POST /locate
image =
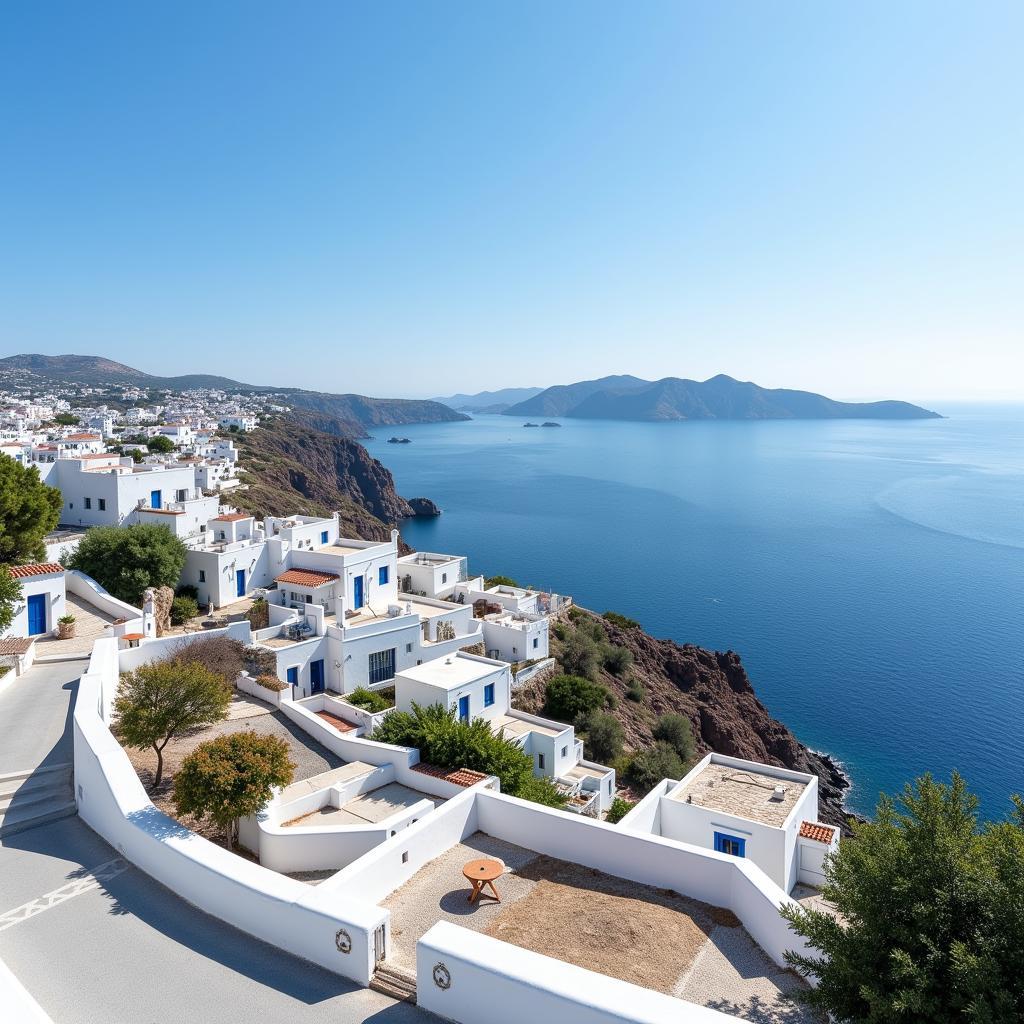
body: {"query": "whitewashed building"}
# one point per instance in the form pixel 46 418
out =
pixel 43 598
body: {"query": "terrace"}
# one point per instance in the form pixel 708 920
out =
pixel 365 809
pixel 743 792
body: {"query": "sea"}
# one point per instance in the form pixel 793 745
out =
pixel 870 573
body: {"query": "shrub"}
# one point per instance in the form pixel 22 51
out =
pixel 271 683
pixel 369 700
pixel 603 736
pixel 617 659
pixel 566 697
pixel 618 810
pixel 225 656
pixel 183 609
pixel 232 776
pixel 187 590
pixel 636 691
pixel 161 700
pixel 259 614
pixel 444 740
pixel 676 731
pixel 650 766
pixel 161 444
pixel 499 581
pixel 580 656
pixel 621 620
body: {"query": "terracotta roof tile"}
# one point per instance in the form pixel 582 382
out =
pixel 232 517
pixel 459 776
pixel 307 577
pixel 818 832
pixel 20 572
pixel 16 644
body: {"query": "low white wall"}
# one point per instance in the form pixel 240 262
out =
pixel 247 684
pixel 302 920
pixel 154 650
pixel 715 878
pixel 360 717
pixel 524 675
pixel 646 815
pixel 85 587
pixel 17 1004
pixel 493 982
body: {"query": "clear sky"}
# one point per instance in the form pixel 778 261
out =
pixel 421 198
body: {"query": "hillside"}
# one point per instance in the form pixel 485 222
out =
pixel 288 468
pixel 720 397
pixel 712 689
pixel 489 401
pixel 374 412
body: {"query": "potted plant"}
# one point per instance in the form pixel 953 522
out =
pixel 66 627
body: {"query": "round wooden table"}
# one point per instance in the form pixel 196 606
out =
pixel 483 872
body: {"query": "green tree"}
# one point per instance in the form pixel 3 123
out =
pixel 580 655
pixel 161 444
pixel 618 810
pixel 566 697
pixel 67 419
pixel 183 609
pixel 677 732
pixel 499 581
pixel 657 762
pixel 128 559
pixel 10 596
pixel 232 776
pixel 163 699
pixel 930 923
pixel 603 736
pixel 29 510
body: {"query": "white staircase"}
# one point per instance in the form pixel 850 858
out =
pixel 35 797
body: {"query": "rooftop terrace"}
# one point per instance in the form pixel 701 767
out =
pixel 742 792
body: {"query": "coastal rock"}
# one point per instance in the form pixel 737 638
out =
pixel 423 507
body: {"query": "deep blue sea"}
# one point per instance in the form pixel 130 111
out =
pixel 871 574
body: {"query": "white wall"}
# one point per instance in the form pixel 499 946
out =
pixel 410 690
pixel 494 982
pixel 85 587
pixel 53 589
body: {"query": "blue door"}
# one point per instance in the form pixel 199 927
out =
pixel 36 614
pixel 293 677
pixel 316 676
pixel 464 709
pixel 357 592
pixel 154 499
pixel 240 582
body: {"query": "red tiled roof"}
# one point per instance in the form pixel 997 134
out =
pixel 460 776
pixel 307 577
pixel 16 644
pixel 20 572
pixel 82 437
pixel 818 832
pixel 232 517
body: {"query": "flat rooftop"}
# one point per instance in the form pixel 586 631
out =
pixel 517 727
pixel 742 792
pixel 448 674
pixel 368 808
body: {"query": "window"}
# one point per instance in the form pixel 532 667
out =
pixel 732 845
pixel 408 648
pixel 323 537
pixel 182 495
pixel 382 666
pixel 565 751
pixel 444 578
pixel 540 761
pixel 202 575
pixel 88 502
pixel 536 642
pixel 382 575
pixel 488 695
pixel 103 504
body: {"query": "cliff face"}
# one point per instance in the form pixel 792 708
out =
pixel 713 690
pixel 290 468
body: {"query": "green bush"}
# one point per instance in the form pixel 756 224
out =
pixel 187 590
pixel 259 613
pixel 676 731
pixel 161 444
pixel 617 659
pixel 603 736
pixel 445 741
pixel 580 655
pixel 368 700
pixel 621 620
pixel 636 691
pixel 183 609
pixel 650 766
pixel 566 697
pixel 618 810
pixel 499 581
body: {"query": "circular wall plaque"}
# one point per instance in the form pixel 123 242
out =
pixel 343 941
pixel 442 976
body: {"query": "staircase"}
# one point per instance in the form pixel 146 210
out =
pixel 394 982
pixel 35 797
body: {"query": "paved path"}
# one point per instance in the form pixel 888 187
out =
pixel 94 939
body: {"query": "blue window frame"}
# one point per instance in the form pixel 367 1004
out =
pixel 323 537
pixel 382 575
pixel 464 709
pixel 382 666
pixel 733 845
pixel 488 695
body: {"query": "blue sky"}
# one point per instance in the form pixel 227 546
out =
pixel 421 198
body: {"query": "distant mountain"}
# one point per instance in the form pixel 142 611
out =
pixel 343 415
pixel 721 397
pixel 489 401
pixel 561 399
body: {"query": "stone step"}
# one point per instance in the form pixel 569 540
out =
pixel 394 982
pixel 42 795
pixel 34 773
pixel 53 781
pixel 18 819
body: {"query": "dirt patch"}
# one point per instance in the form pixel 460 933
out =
pixel 610 925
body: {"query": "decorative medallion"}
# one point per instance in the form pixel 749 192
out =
pixel 442 976
pixel 343 941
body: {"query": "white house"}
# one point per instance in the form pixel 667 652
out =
pixel 432 574
pixel 42 598
pixel 745 809
pixel 515 636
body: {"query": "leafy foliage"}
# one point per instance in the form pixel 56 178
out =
pixel 618 810
pixel 499 581
pixel 232 776
pixel 677 732
pixel 183 609
pixel 259 613
pixel 29 510
pixel 67 419
pixel 10 596
pixel 621 620
pixel 161 444
pixel 161 700
pixel 566 697
pixel 650 766
pixel 603 736
pixel 617 659
pixel 932 914
pixel 636 691
pixel 369 700
pixel 128 559
pixel 444 740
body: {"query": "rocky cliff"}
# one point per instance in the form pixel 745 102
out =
pixel 713 690
pixel 289 468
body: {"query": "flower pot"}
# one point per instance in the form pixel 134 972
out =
pixel 65 630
